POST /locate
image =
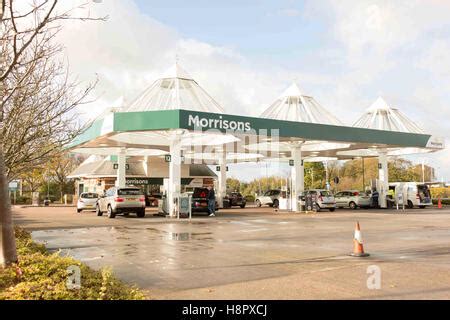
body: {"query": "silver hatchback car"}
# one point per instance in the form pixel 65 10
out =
pixel 270 198
pixel 122 201
pixel 87 201
pixel 324 199
pixel 352 199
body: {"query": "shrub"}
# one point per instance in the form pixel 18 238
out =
pixel 444 201
pixel 250 198
pixel 443 192
pixel 21 199
pixel 41 275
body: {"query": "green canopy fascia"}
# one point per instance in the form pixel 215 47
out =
pixel 185 119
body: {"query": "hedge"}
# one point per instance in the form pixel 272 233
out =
pixel 40 275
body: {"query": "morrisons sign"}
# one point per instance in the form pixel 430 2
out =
pixel 218 123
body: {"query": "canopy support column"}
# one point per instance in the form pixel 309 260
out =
pixel 121 168
pixel 174 174
pixel 297 177
pixel 222 190
pixel 383 178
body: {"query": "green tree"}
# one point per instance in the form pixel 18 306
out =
pixel 233 184
pixel 314 175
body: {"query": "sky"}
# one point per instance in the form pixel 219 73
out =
pixel 245 53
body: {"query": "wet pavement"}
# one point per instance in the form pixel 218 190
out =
pixel 258 253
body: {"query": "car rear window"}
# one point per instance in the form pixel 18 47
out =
pixel 325 193
pixel 129 192
pixel 423 189
pixel 200 193
pixel 89 195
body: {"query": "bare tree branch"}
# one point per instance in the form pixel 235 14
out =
pixel 38 99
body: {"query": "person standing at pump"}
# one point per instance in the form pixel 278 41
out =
pixel 375 196
pixel 211 201
pixel 391 198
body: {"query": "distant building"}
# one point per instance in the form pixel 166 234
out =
pixel 97 174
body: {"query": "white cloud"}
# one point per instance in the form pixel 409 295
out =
pixel 436 59
pixel 130 50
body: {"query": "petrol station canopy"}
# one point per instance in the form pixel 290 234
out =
pixel 176 103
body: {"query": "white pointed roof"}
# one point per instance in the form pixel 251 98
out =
pixel 382 116
pixel 176 89
pixel 293 105
pixel 176 71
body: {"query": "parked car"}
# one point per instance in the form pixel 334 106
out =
pixel 121 201
pixel 352 199
pixel 236 199
pixel 324 199
pixel 87 201
pixel 417 194
pixel 270 198
pixel 200 200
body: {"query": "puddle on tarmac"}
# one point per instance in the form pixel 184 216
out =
pixel 88 237
pixel 182 236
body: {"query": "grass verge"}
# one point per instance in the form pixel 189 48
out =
pixel 40 275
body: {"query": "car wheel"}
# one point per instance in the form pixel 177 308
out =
pixel 111 213
pixel 98 211
pixel 242 206
pixel 258 203
pixel 317 207
pixel 422 207
pixel 332 209
pixel 410 204
pixel 352 205
pixel 141 213
pixel 79 210
pixel 275 203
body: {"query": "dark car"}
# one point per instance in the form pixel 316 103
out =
pixel 236 199
pixel 200 200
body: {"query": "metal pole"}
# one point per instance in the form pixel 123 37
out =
pixel 190 207
pixel 423 172
pixel 48 186
pixel 363 172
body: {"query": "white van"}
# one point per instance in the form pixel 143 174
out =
pixel 417 194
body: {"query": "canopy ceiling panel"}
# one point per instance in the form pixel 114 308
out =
pixel 162 138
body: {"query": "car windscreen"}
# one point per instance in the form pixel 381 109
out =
pixel 200 193
pixel 89 195
pixel 325 193
pixel 129 192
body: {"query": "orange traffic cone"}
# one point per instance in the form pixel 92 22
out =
pixel 439 203
pixel 358 249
